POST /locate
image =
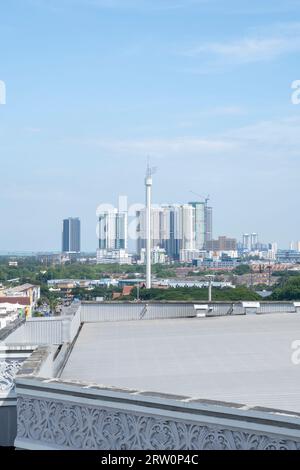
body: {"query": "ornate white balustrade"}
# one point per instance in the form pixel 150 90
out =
pixel 11 360
pixel 57 415
pixel 8 371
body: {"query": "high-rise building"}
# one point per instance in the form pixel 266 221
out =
pixel 113 237
pixel 246 242
pixel 222 244
pixel 172 243
pixel 172 228
pixel 187 227
pixel 199 224
pixel 250 242
pixel 112 230
pixel 254 241
pixel 156 230
pixel 176 227
pixel 203 223
pixel 71 235
pixel 208 223
pixel 273 247
pixel 271 253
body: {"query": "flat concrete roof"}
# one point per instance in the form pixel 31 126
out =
pixel 240 359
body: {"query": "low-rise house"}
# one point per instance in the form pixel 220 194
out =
pixel 25 294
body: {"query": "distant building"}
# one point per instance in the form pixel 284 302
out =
pixel 222 244
pixel 273 247
pixel 187 256
pixel 250 242
pixel 112 230
pixel 9 312
pixel 176 227
pixel 158 255
pixel 254 241
pixel 113 257
pixel 68 284
pixel 49 258
pixel 158 227
pixel 199 224
pixel 172 242
pixel 271 253
pixel 26 295
pixel 71 235
pixel 113 237
pixel 127 290
pixel 208 223
pixel 246 242
pixel 188 234
pixel 226 264
pixel 288 256
pixel 202 223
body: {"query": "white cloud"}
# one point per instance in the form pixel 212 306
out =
pixel 260 46
pixel 246 50
pixel 195 119
pixel 33 130
pixel 275 141
pixel 226 111
pixel 278 139
pixel 162 147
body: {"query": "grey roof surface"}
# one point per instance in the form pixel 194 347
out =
pixel 21 288
pixel 241 359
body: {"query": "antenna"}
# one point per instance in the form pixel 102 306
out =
pixel 150 170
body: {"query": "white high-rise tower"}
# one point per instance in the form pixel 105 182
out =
pixel 148 184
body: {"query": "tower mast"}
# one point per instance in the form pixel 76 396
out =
pixel 148 185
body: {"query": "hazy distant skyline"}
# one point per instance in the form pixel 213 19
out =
pixel 94 86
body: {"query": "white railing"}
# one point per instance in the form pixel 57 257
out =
pixel 58 415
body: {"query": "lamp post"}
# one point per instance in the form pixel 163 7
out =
pixel 210 278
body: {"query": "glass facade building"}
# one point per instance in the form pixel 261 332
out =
pixel 71 235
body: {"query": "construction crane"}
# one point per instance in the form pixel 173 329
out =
pixel 206 199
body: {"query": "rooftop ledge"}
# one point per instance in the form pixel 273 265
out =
pixel 59 409
pixel 30 380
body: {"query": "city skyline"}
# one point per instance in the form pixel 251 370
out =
pixel 211 104
pixel 133 239
pixel 175 228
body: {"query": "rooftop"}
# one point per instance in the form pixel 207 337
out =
pixel 21 288
pixel 242 359
pixel 167 375
pixel 15 300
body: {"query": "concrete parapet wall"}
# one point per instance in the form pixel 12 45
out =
pixel 53 414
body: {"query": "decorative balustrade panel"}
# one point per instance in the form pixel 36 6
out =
pixel 61 424
pixel 8 371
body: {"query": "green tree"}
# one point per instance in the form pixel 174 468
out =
pixel 288 289
pixel 242 269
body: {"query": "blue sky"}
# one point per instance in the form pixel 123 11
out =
pixel 202 86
